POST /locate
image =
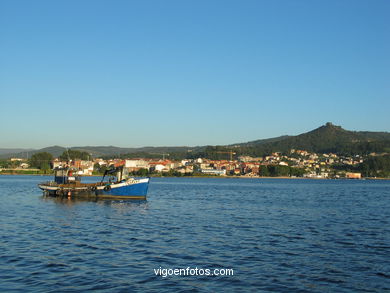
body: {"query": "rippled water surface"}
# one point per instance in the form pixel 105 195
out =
pixel 277 235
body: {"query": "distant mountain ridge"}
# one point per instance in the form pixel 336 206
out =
pixel 14 150
pixel 324 139
pixel 96 151
pixel 328 138
pixel 112 150
pixel 262 141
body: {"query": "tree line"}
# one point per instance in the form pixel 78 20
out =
pixel 373 166
pixel 43 160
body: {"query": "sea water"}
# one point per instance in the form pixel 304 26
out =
pixel 251 235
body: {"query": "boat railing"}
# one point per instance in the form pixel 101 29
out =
pixel 50 183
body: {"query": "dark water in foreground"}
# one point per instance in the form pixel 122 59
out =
pixel 277 235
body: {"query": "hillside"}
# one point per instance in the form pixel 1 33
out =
pixel 331 138
pixel 96 151
pixel 14 151
pixel 261 141
pixel 328 138
pixel 54 150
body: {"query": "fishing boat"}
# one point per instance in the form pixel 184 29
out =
pixel 119 185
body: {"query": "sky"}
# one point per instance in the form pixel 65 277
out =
pixel 189 72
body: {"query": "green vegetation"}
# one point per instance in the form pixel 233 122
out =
pixel 280 171
pixel 136 156
pixel 25 172
pixel 213 153
pixel 9 164
pixel 75 155
pixel 378 166
pixel 325 139
pixel 373 166
pixel 41 161
pixel 145 155
pixel 99 169
pixel 141 172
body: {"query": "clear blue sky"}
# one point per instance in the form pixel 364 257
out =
pixel 138 73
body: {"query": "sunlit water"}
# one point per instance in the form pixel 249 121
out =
pixel 277 235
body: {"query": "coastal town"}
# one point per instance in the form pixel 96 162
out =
pixel 297 163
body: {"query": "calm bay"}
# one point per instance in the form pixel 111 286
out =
pixel 276 235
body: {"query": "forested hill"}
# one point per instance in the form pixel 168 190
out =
pixel 328 138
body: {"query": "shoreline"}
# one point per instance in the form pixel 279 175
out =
pixel 221 177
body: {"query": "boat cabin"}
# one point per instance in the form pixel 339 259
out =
pixel 65 175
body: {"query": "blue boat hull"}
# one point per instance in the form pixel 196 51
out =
pixel 126 189
pixel 138 190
